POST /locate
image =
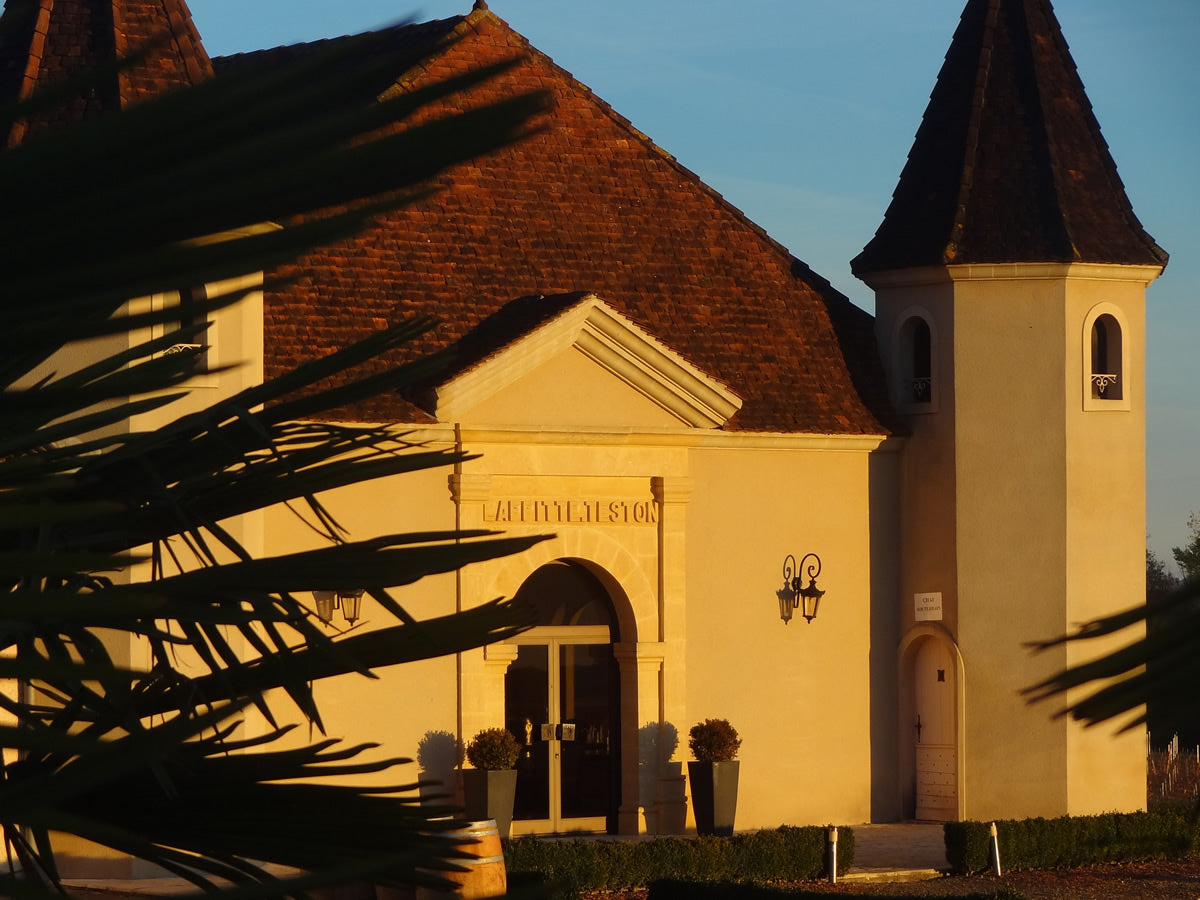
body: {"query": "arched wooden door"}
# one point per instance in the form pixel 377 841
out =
pixel 935 732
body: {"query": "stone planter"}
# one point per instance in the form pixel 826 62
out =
pixel 489 794
pixel 714 795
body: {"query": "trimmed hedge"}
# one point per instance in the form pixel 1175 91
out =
pixel 571 866
pixel 690 890
pixel 1070 840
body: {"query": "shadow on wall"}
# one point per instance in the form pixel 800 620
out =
pixel 662 791
pixel 439 754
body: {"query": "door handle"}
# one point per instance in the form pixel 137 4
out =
pixel 562 731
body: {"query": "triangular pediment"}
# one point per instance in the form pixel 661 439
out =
pixel 588 352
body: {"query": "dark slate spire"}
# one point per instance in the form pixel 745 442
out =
pixel 1008 164
pixel 43 42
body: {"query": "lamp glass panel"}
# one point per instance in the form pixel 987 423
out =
pixel 325 604
pixel 787 604
pixel 810 605
pixel 350 605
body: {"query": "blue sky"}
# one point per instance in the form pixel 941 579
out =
pixel 801 113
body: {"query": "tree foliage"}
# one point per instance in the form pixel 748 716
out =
pixel 1187 557
pixel 148 760
pixel 1159 580
pixel 1161 719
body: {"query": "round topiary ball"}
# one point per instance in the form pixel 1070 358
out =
pixel 493 748
pixel 713 740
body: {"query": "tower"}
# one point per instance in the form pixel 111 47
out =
pixel 1010 275
pixel 43 44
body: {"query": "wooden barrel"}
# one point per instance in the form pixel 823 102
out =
pixel 483 872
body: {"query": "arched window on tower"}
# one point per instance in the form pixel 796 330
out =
pixel 921 382
pixel 915 355
pixel 1106 367
pixel 1106 358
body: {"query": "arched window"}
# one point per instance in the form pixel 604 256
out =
pixel 1105 359
pixel 921 348
pixel 915 355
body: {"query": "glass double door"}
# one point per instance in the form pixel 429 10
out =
pixel 559 702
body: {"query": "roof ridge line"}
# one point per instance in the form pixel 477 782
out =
pixel 421 67
pixel 179 34
pixel 38 41
pixel 33 66
pixel 1093 125
pixel 983 74
pixel 1057 181
pixel 179 16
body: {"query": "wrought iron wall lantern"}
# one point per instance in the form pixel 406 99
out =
pixel 795 595
pixel 349 601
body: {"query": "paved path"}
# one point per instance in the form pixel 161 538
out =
pixel 899 851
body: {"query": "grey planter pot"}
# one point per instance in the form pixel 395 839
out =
pixel 714 795
pixel 489 794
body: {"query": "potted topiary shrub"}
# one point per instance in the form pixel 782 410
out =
pixel 714 775
pixel 490 788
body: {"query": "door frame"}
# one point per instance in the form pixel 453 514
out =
pixel 555 637
pixel 909 647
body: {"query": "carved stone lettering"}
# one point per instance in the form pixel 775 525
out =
pixel 561 511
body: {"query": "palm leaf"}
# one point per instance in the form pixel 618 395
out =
pixel 1159 666
pixel 146 761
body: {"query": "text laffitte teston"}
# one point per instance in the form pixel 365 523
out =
pixel 551 511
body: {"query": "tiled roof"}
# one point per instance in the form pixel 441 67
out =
pixel 588 204
pixel 401 42
pixel 1008 164
pixel 44 42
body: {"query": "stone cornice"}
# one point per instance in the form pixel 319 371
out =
pixel 924 275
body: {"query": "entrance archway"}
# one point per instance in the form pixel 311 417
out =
pixel 562 701
pixel 931 725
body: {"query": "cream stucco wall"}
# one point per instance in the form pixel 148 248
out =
pixel 694 589
pixel 799 694
pixel 404 704
pixel 1106 523
pixel 1026 512
pixel 1010 470
pixel 925 492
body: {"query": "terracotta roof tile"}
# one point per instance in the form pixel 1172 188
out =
pixel 44 42
pixel 1009 164
pixel 589 204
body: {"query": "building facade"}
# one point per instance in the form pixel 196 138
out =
pixel 642 373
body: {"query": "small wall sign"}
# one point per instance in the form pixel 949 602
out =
pixel 928 607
